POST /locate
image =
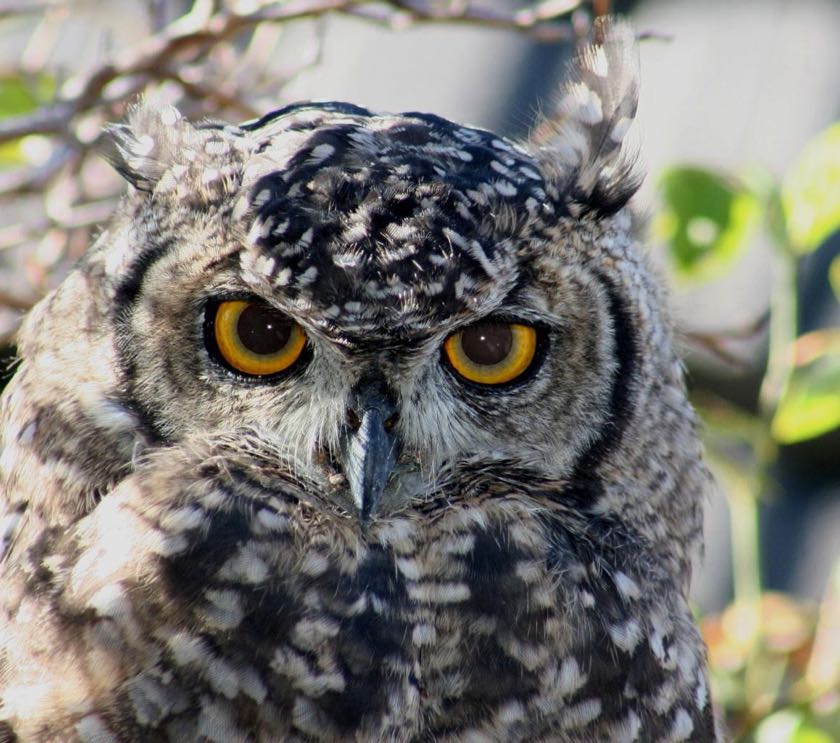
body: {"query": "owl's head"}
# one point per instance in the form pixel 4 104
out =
pixel 394 303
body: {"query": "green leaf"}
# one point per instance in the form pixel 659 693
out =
pixel 11 154
pixel 707 218
pixel 791 726
pixel 810 406
pixel 834 276
pixel 811 192
pixel 20 95
pixel 808 734
pixel 780 726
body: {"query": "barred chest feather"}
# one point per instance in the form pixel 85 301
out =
pixel 236 608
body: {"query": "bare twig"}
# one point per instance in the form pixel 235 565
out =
pixel 9 8
pixel 539 21
pixel 715 343
pixel 182 52
pixel 186 40
pixel 29 180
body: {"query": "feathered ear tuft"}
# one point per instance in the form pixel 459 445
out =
pixel 583 142
pixel 146 144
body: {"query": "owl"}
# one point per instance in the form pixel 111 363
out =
pixel 357 427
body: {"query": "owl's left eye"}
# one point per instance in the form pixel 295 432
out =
pixel 256 339
pixel 492 353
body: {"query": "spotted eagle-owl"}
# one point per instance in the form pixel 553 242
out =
pixel 356 426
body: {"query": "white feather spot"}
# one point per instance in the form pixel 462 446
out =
pixel 272 521
pixel 222 677
pixel 110 601
pixel 305 240
pixel 320 153
pixel 216 147
pixel 144 145
pixel 399 534
pixel 408 567
pixel 628 729
pixel 264 265
pixel 8 526
pixel 439 593
pixel 182 519
pixel 506 188
pixel 596 61
pixel 626 636
pixel 571 677
pixel 245 566
pixel 701 693
pixel 583 103
pixel 314 564
pixel 308 276
pixel 682 727
pixel 354 308
pixel 582 713
pixel 261 198
pixel 188 650
pixel 210 175
pixel 224 608
pixel 473 248
pixel 627 587
pixel 169 116
pixel 92 729
pixel 252 685
pixel 216 724
pixel 620 128
pixel 311 634
pixel 423 634
pixel 510 713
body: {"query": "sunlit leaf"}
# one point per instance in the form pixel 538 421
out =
pixel 811 192
pixel 789 726
pixel 834 276
pixel 20 95
pixel 808 734
pixel 705 220
pixel 780 726
pixel 11 154
pixel 810 405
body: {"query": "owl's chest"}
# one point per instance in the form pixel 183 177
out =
pixel 420 631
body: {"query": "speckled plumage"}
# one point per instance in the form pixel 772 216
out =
pixel 182 558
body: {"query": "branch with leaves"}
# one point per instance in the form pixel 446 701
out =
pixel 775 672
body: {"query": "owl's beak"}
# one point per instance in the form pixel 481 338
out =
pixel 371 449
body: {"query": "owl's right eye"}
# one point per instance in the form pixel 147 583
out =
pixel 492 353
pixel 254 338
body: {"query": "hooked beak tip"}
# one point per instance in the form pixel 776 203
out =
pixel 369 459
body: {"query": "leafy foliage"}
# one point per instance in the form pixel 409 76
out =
pixel 706 218
pixel 775 664
pixel 19 95
pixel 811 193
pixel 810 406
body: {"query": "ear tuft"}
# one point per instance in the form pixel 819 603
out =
pixel 583 143
pixel 146 144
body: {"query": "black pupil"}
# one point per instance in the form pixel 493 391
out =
pixel 487 343
pixel 263 330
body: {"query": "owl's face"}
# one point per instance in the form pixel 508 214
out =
pixel 386 299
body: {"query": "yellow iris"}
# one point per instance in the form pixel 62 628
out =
pixel 492 352
pixel 255 338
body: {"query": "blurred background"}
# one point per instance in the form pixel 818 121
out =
pixel 742 201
